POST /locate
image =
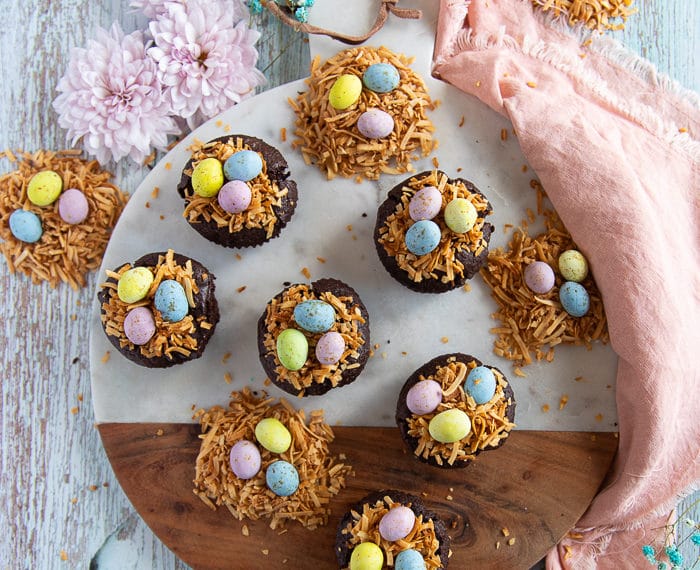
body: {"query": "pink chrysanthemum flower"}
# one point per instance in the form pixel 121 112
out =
pixel 110 97
pixel 154 8
pixel 205 62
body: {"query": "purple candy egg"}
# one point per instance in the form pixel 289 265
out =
pixel 425 204
pixel 139 325
pixel 539 277
pixel 245 459
pixel 330 348
pixel 397 523
pixel 424 397
pixel 234 196
pixel 73 206
pixel 375 124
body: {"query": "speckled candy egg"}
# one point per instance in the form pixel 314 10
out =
pixel 44 188
pixel 330 348
pixel 273 435
pixel 235 196
pixel 450 426
pixel 292 349
pixel 25 226
pixel 314 315
pixel 139 325
pixel 574 298
pixel 282 478
pixel 460 215
pixel 480 384
pixel 170 299
pixel 425 204
pixel 243 165
pixel 375 124
pixel 381 77
pixel 424 397
pixel 73 206
pixel 409 560
pixel 573 265
pixel 245 459
pixel 397 523
pixel 367 556
pixel 345 92
pixel 539 277
pixel 134 284
pixel 423 237
pixel 208 177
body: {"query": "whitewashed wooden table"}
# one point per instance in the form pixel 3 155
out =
pixel 62 507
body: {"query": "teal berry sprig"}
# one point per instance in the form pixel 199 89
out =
pixel 673 540
pixel 300 8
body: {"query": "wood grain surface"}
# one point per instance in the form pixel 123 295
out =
pixel 62 506
pixel 537 485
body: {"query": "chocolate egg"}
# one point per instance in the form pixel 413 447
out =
pixel 345 92
pixel 292 349
pixel 170 299
pixel 234 197
pixel 397 523
pixel 208 177
pixel 425 204
pixel 574 298
pixel 367 556
pixel 44 188
pixel 409 560
pixel 375 124
pixel 330 348
pixel 423 237
pixel 73 206
pixel 273 435
pixel 245 459
pixel 460 215
pixel 480 384
pixel 139 325
pixel 134 284
pixel 282 478
pixel 243 165
pixel 25 226
pixel 539 277
pixel 573 265
pixel 314 315
pixel 381 77
pixel 424 397
pixel 450 426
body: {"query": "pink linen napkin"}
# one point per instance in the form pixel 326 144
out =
pixel 616 148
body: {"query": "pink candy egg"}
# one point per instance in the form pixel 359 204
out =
pixel 234 196
pixel 73 206
pixel 139 325
pixel 397 523
pixel 424 397
pixel 245 459
pixel 375 124
pixel 330 348
pixel 539 277
pixel 425 204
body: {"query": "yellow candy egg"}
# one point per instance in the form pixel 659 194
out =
pixel 134 284
pixel 450 426
pixel 367 556
pixel 460 215
pixel 573 265
pixel 273 435
pixel 345 91
pixel 208 177
pixel 44 188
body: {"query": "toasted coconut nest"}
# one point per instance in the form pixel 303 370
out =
pixel 65 252
pixel 533 324
pixel 321 475
pixel 330 139
pixel 490 421
pixel 594 14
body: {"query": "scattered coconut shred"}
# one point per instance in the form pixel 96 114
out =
pixel 321 475
pixel 594 14
pixel 534 324
pixel 64 252
pixel 330 139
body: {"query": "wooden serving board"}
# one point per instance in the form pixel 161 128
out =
pixel 537 486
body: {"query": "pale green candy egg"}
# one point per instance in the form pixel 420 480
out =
pixel 460 215
pixel 44 188
pixel 573 265
pixel 273 435
pixel 367 556
pixel 134 284
pixel 345 91
pixel 208 177
pixel 450 426
pixel 292 349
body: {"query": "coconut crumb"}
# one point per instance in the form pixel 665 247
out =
pixel 105 357
pixel 563 401
pixel 305 272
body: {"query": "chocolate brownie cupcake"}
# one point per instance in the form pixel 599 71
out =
pixel 452 408
pixel 392 525
pixel 160 310
pixel 237 190
pixel 431 233
pixel 313 338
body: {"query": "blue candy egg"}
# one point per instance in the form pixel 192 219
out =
pixel 409 560
pixel 25 226
pixel 171 301
pixel 423 237
pixel 243 165
pixel 480 384
pixel 381 77
pixel 314 316
pixel 574 298
pixel 282 478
